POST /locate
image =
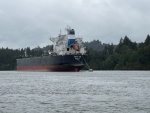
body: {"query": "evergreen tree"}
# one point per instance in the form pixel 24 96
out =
pixel 147 41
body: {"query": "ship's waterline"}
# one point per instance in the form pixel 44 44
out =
pixel 51 63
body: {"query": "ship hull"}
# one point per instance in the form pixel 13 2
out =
pixel 51 63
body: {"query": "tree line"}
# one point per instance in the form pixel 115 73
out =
pixel 127 55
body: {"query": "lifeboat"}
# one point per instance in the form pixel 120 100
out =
pixel 75 46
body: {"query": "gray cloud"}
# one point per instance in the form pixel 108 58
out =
pixel 30 22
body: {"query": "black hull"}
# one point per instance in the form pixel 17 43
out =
pixel 51 63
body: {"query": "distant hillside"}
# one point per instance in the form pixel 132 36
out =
pixel 47 48
pixel 95 45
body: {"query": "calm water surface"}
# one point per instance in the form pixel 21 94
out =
pixel 75 92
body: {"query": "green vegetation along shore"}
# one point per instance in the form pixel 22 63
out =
pixel 127 55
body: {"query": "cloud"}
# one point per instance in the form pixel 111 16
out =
pixel 26 23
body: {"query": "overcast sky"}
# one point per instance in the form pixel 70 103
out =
pixel 29 23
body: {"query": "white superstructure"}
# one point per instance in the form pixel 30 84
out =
pixel 68 44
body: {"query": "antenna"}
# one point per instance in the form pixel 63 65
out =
pixel 60 31
pixel 67 26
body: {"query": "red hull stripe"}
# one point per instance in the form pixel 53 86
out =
pixel 50 68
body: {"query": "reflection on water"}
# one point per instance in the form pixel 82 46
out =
pixel 75 92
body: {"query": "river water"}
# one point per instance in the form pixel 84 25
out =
pixel 75 92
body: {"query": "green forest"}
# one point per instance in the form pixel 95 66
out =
pixel 127 55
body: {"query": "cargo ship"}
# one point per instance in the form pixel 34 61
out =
pixel 68 54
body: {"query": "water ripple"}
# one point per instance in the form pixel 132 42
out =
pixel 83 92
